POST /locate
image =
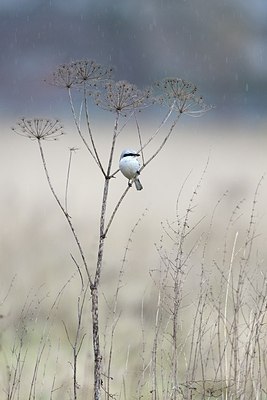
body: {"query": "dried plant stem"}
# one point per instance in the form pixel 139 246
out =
pixel 90 133
pixel 95 284
pixel 78 340
pixel 53 388
pixel 77 124
pixel 64 212
pixel 162 143
pixel 251 227
pixel 114 325
pixel 15 372
pixel 225 311
pixel 67 182
pixel 116 208
pixel 68 178
pixel 154 390
pixel 163 122
pixel 140 139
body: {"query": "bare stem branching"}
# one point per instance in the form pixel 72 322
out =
pixel 91 80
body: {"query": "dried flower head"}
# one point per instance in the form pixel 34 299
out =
pixel 39 128
pixel 64 76
pixel 121 97
pixel 90 72
pixel 182 95
pixel 77 73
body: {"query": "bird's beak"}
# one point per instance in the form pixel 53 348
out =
pixel 137 155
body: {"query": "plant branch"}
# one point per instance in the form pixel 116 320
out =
pixel 64 211
pixel 163 122
pixel 140 140
pixel 95 284
pixel 115 210
pixel 77 124
pixel 163 143
pixel 91 135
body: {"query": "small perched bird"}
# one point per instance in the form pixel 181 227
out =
pixel 130 167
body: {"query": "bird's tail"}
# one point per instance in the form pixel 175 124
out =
pixel 138 184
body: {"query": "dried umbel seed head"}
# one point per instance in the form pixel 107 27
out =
pixel 79 73
pixel 39 128
pixel 90 72
pixel 64 76
pixel 122 97
pixel 182 95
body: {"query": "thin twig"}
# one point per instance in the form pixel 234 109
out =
pixel 64 211
pixel 115 210
pixel 77 124
pixel 163 143
pixel 91 134
pixel 72 149
pixel 163 122
pixel 226 307
pixel 140 139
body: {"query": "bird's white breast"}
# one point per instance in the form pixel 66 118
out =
pixel 129 166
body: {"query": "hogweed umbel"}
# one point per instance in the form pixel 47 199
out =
pixel 122 97
pixel 39 128
pixel 79 73
pixel 182 96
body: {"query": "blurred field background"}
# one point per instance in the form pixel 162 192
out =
pixel 36 243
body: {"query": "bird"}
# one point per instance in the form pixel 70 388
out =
pixel 130 167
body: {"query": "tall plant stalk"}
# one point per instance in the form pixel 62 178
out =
pixel 123 100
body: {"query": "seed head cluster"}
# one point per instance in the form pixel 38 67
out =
pixel 182 95
pixel 78 73
pixel 121 97
pixel 39 128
